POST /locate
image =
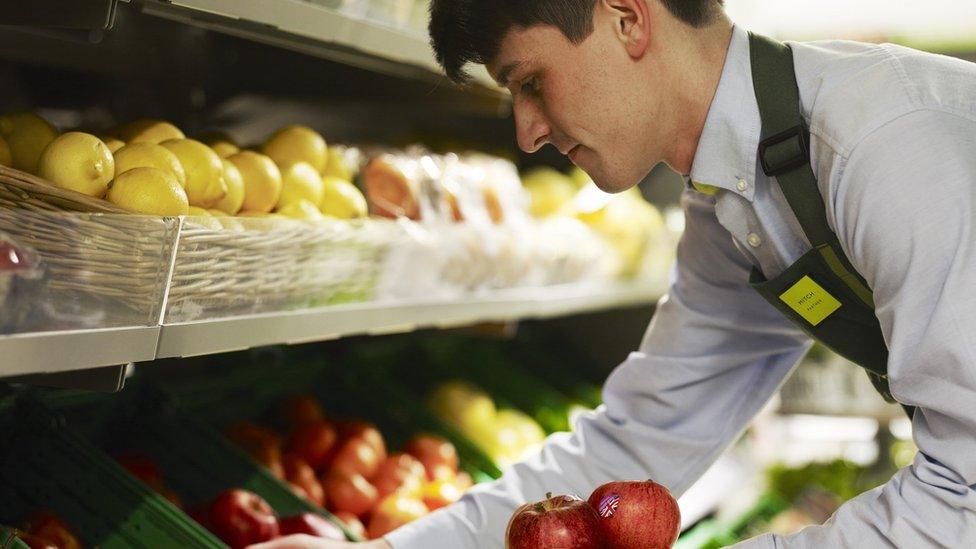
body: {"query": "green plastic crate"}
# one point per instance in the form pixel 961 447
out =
pixel 9 540
pixel 44 465
pixel 196 461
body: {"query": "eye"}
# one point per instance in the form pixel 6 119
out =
pixel 530 86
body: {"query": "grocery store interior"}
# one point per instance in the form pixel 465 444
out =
pixel 325 254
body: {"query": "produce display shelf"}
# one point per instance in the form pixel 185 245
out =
pixel 242 332
pixel 51 352
pixel 317 30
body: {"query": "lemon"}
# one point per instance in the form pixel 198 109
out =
pixel 27 135
pixel 113 143
pixel 301 209
pixel 217 213
pixel 230 204
pixel 204 171
pixel 203 218
pixel 148 130
pixel 149 155
pixel 549 191
pixel 79 162
pixel 342 199
pixel 224 148
pixel 5 158
pixel 149 191
pixel 262 180
pixel 300 181
pixel 336 165
pixel 296 144
pixel 198 212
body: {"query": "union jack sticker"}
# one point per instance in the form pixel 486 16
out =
pixel 608 505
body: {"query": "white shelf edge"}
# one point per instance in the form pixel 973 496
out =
pixel 53 352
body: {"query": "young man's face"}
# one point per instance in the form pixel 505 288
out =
pixel 585 99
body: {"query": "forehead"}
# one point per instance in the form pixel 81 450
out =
pixel 527 45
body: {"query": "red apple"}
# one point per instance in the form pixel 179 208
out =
pixel 566 522
pixel 356 455
pixel 398 471
pixel 637 514
pixel 311 524
pixel 301 409
pixel 352 522
pixel 437 454
pixel 241 518
pixel 314 442
pixel 49 527
pixel 300 474
pixel 349 492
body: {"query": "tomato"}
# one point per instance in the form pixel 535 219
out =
pixel 314 442
pixel 349 492
pixel 433 451
pixel 356 455
pixel 399 472
pixel 301 409
pixel 300 474
pixel 393 512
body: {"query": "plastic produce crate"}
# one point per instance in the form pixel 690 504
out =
pixel 196 461
pixel 44 465
pixel 9 540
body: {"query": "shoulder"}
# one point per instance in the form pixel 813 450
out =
pixel 849 90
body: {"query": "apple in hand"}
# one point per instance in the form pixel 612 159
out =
pixel 566 522
pixel 637 514
pixel 241 518
pixel 311 524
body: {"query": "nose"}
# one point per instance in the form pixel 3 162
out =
pixel 531 129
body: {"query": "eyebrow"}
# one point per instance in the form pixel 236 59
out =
pixel 506 72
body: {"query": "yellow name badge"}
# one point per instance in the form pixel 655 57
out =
pixel 810 300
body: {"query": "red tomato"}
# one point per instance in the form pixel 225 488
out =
pixel 314 442
pixel 349 492
pixel 365 430
pixel 301 409
pixel 356 455
pixel 393 512
pixel 398 471
pixel 300 473
pixel 433 451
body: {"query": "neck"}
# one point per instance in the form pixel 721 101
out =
pixel 702 69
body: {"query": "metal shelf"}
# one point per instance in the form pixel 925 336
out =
pixel 319 31
pixel 52 352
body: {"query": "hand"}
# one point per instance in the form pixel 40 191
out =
pixel 305 541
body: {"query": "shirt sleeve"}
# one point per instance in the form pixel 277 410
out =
pixel 712 356
pixel 904 209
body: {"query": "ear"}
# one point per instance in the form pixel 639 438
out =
pixel 630 19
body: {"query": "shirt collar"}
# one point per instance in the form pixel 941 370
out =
pixel 726 154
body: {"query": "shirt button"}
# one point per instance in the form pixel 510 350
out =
pixel 754 240
pixel 742 185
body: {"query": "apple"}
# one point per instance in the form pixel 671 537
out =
pixel 393 512
pixel 301 409
pixel 300 474
pixel 366 431
pixel 311 524
pixel 399 471
pixel 314 442
pixel 356 455
pixel 566 522
pixel 439 493
pixel 241 518
pixel 636 514
pixel 432 451
pixel 349 492
pixel 352 522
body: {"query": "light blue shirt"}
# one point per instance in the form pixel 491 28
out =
pixel 893 145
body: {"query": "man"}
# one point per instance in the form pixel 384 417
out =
pixel 866 204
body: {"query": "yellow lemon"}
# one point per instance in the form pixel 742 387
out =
pixel 149 155
pixel 198 212
pixel 342 199
pixel 232 201
pixel 336 165
pixel 149 191
pixel 5 157
pixel 301 209
pixel 27 135
pixel 204 171
pixel 300 181
pixel 296 144
pixel 78 161
pixel 262 180
pixel 203 218
pixel 224 148
pixel 549 191
pixel 217 213
pixel 113 143
pixel 148 130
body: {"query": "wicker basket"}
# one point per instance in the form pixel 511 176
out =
pixel 253 265
pixel 102 268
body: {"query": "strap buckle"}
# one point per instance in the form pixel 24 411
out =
pixel 784 151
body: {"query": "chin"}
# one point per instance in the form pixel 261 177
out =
pixel 613 183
